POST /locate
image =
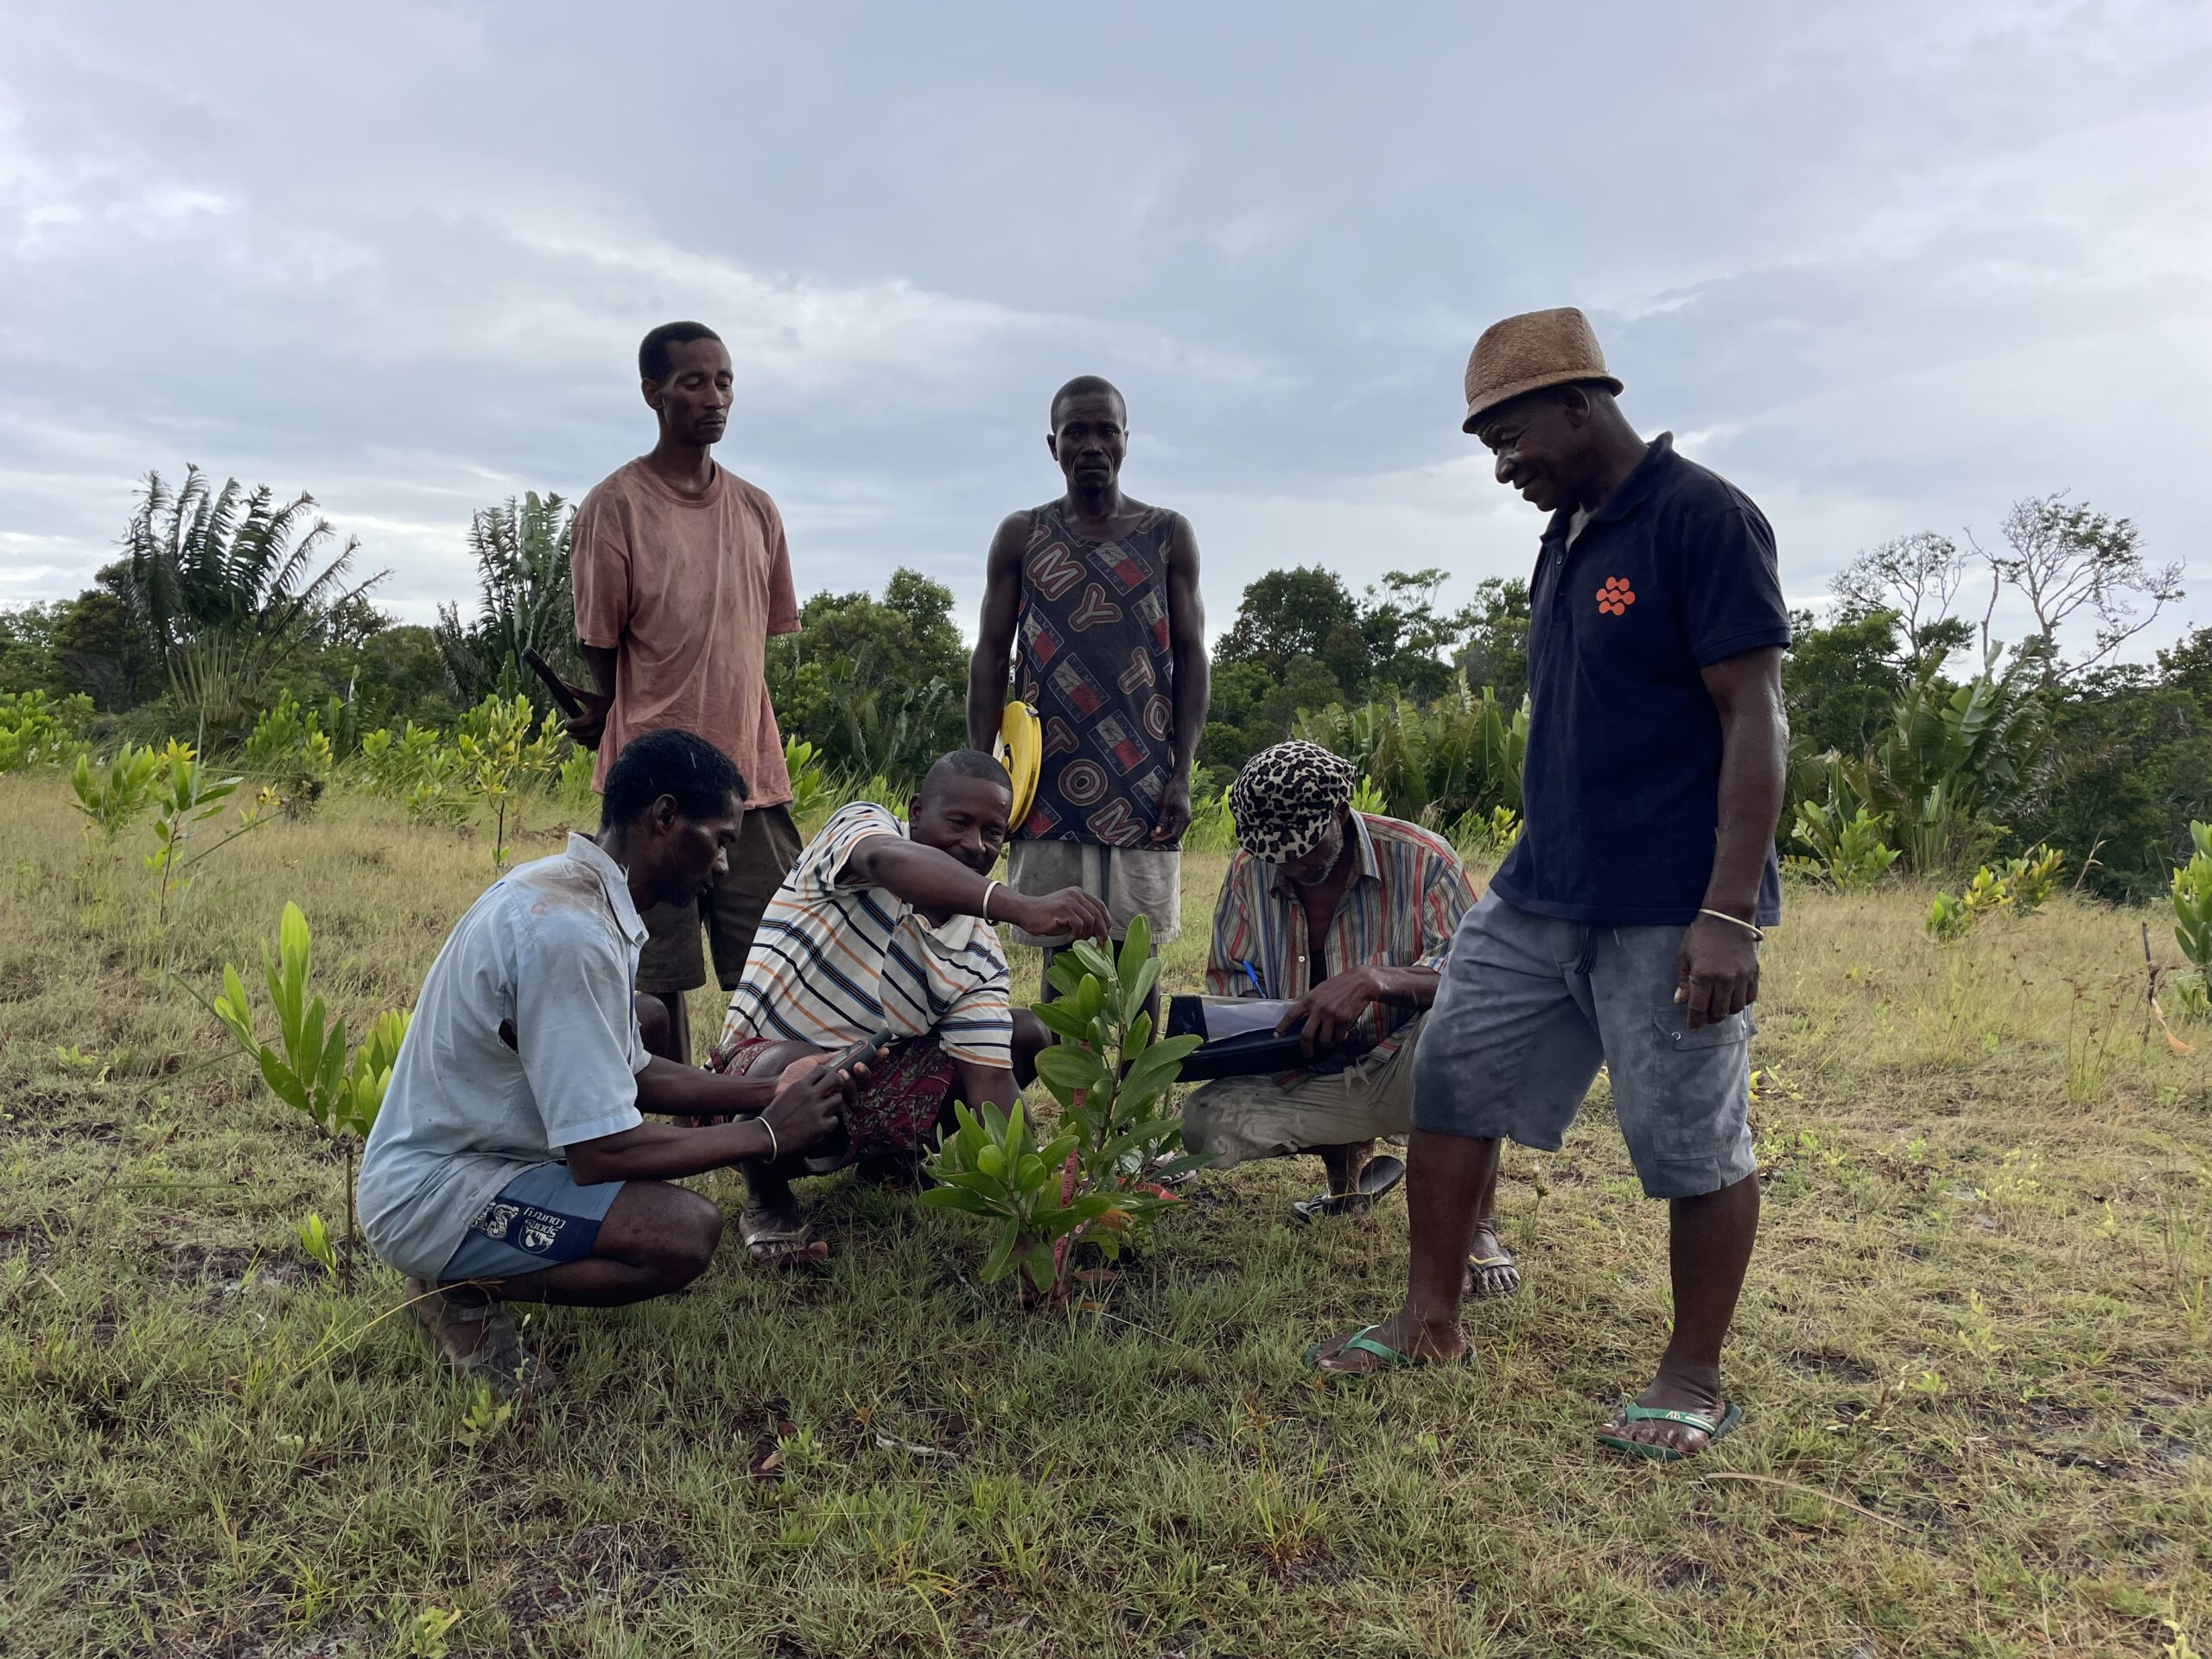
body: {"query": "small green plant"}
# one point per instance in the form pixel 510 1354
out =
pixel 498 756
pixel 1212 829
pixel 572 780
pixel 995 1167
pixel 309 1067
pixel 1486 835
pixel 1850 853
pixel 1370 798
pixel 290 750
pixel 423 1635
pixel 438 794
pixel 314 1241
pixel 116 795
pixel 2033 878
pixel 2192 901
pixel 811 789
pixel 1948 918
pixel 2019 884
pixel 394 762
pixel 1100 1178
pixel 35 730
pixel 186 797
pixel 483 1417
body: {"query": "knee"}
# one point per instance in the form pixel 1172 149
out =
pixel 1030 1039
pixel 655 1028
pixel 689 1242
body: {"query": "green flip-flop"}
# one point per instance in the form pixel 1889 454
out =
pixel 1363 1341
pixel 1715 1430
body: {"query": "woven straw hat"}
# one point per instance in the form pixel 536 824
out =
pixel 1529 352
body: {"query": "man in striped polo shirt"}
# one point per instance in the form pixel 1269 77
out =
pixel 887 927
pixel 1349 915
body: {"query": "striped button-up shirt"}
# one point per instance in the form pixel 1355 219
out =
pixel 834 960
pixel 1399 910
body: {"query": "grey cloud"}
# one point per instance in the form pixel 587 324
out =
pixel 1893 267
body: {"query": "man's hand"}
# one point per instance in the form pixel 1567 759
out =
pixel 1332 1009
pixel 809 1100
pixel 1716 972
pixel 1067 915
pixel 1174 814
pixel 586 729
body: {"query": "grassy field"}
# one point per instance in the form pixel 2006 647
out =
pixel 1975 1350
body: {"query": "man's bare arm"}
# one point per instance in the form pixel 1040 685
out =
pixel 987 669
pixel 776 1122
pixel 590 726
pixel 1746 693
pixel 692 1092
pixel 1186 634
pixel 1717 969
pixel 937 882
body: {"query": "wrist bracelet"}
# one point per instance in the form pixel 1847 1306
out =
pixel 988 891
pixel 1752 928
pixel 775 1146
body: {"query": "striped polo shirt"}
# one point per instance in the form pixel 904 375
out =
pixel 833 961
pixel 1399 910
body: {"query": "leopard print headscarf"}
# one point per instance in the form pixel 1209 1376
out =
pixel 1287 797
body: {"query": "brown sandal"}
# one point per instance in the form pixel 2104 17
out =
pixel 773 1242
pixel 470 1330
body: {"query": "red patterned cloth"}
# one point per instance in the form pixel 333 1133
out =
pixel 899 1106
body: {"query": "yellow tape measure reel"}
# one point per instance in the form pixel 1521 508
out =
pixel 1020 750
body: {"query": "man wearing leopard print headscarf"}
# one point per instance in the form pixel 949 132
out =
pixel 1346 915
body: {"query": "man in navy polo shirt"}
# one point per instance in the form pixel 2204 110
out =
pixel 1623 929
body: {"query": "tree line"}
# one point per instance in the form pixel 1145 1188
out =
pixel 1902 703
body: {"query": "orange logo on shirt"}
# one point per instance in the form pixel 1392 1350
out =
pixel 1615 597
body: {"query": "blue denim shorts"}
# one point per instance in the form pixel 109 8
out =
pixel 1528 1009
pixel 539 1219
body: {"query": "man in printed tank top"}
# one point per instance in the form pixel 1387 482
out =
pixel 1095 598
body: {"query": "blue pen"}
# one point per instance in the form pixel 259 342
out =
pixel 1253 974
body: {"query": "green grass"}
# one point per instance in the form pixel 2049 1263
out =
pixel 1975 1347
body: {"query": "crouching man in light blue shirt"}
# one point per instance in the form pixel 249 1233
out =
pixel 511 1161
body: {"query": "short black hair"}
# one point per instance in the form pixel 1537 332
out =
pixel 1086 386
pixel 653 362
pixel 965 763
pixel 682 765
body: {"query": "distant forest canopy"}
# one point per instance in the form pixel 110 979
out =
pixel 225 600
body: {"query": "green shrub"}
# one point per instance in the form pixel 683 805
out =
pixel 1100 1178
pixel 2191 891
pixel 289 751
pixel 1486 835
pixel 2032 878
pixel 116 795
pixel 1212 829
pixel 37 730
pixel 310 1067
pixel 1850 853
pixel 1433 765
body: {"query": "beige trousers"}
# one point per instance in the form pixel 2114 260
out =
pixel 1237 1119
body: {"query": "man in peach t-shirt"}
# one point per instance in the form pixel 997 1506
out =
pixel 680 575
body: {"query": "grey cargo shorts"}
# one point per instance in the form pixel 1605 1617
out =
pixel 1529 1006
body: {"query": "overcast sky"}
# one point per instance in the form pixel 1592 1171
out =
pixel 1888 267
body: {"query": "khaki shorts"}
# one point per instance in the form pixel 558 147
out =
pixel 1236 1120
pixel 767 846
pixel 1131 880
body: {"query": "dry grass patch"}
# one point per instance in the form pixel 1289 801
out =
pixel 1973 1348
